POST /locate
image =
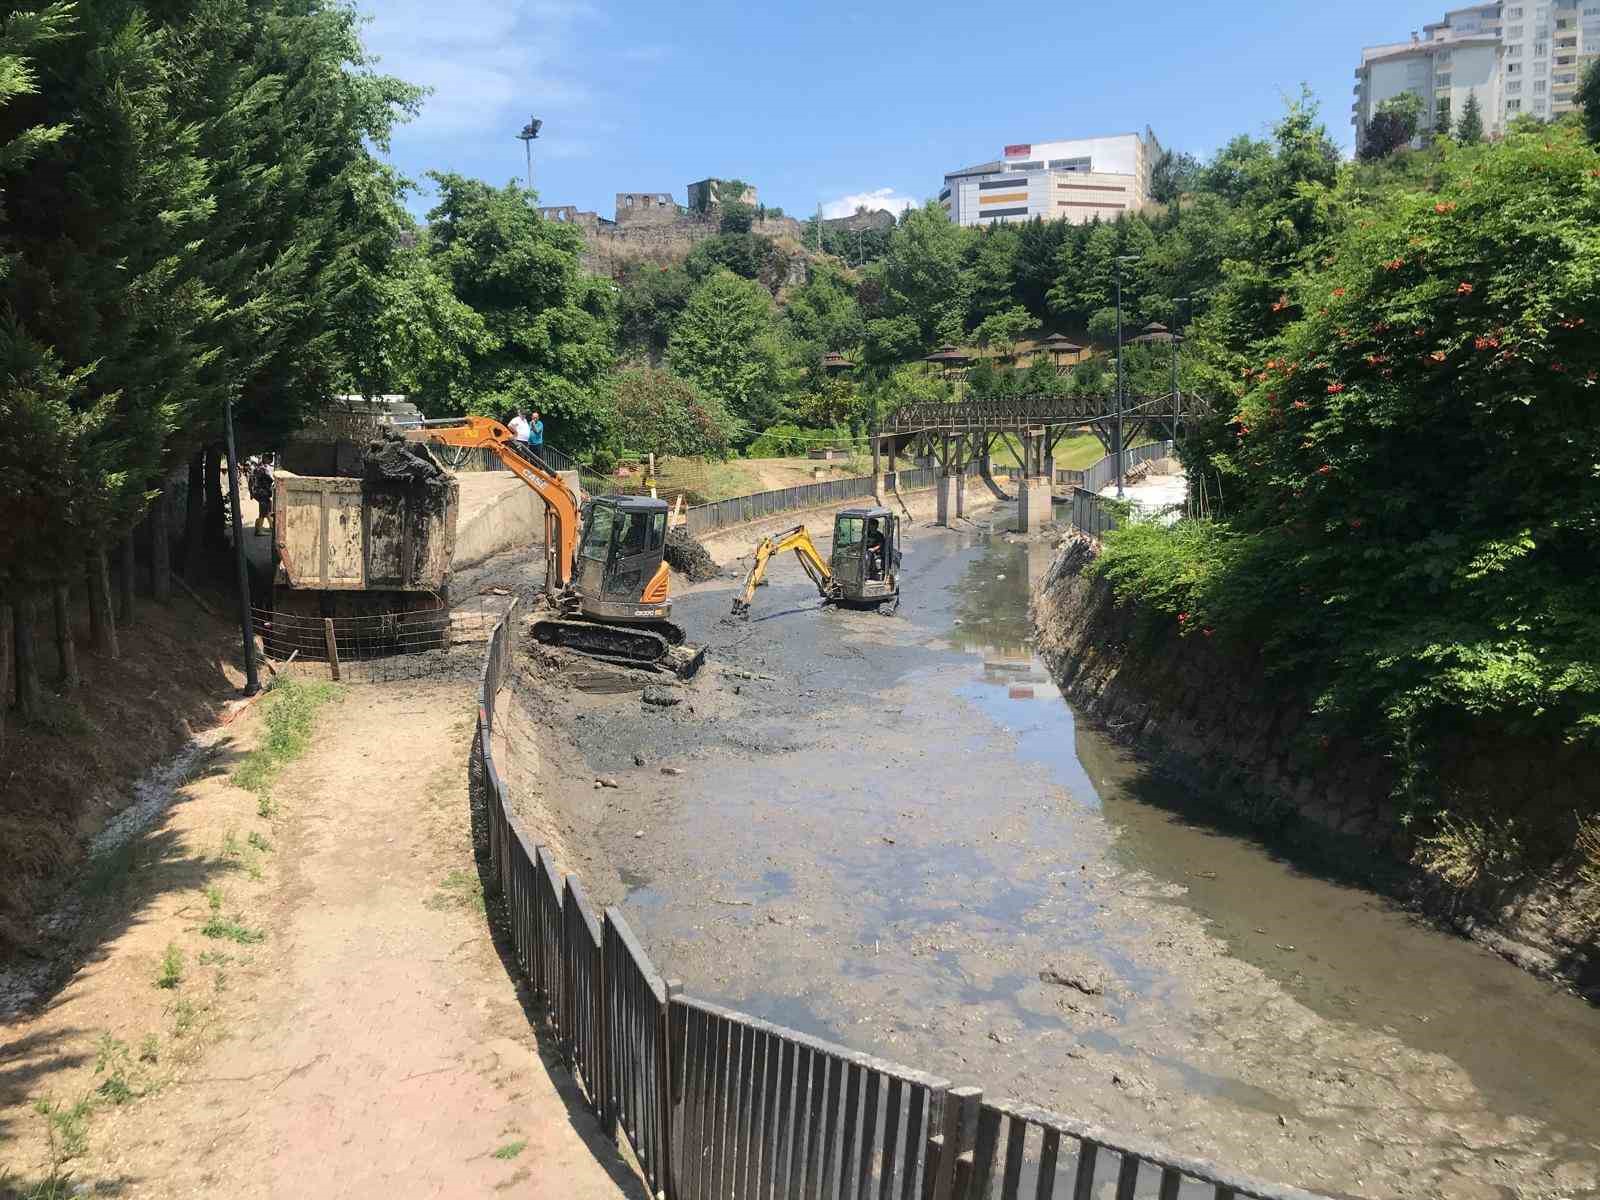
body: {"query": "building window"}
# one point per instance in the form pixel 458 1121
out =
pixel 628 201
pixel 1513 32
pixel 1513 68
pixel 1538 87
pixel 1443 81
pixel 1514 13
pixel 1513 87
pixel 1540 49
pixel 1513 106
pixel 1513 51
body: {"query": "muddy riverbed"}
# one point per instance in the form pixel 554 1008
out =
pixel 891 832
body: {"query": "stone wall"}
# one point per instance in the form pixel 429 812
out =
pixel 1209 715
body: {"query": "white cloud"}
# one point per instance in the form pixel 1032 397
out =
pixel 884 198
pixel 489 62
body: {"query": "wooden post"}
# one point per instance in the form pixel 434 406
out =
pixel 127 568
pixel 194 518
pixel 30 694
pixel 333 646
pixel 958 1132
pixel 66 650
pixel 161 549
pixel 102 627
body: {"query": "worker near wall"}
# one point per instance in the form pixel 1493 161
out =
pixel 261 481
pixel 518 424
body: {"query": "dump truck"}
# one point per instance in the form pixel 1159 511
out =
pixel 361 547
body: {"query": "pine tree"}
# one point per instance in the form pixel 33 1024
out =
pixel 1469 129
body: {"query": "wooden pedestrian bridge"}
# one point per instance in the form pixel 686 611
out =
pixel 962 434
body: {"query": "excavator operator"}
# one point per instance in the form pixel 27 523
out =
pixel 875 549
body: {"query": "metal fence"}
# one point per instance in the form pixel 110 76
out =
pixel 703 518
pixel 1104 472
pixel 376 648
pixel 717 1104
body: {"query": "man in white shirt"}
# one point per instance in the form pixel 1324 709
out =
pixel 520 429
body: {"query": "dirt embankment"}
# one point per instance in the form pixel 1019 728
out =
pixel 63 776
pixel 1209 715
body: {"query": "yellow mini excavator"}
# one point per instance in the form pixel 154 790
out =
pixel 863 570
pixel 604 576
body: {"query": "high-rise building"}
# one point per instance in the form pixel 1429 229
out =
pixel 1078 180
pixel 1515 58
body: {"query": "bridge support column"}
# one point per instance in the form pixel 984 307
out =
pixel 943 485
pixel 1033 504
pixel 961 478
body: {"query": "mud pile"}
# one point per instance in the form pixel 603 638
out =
pixel 685 555
pixel 392 459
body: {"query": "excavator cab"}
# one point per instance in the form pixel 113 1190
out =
pixel 618 572
pixel 865 562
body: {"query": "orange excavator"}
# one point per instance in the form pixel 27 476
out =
pixel 605 576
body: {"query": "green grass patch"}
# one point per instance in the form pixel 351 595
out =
pixel 257 842
pixel 171 973
pixel 231 929
pixel 66 1127
pixel 511 1149
pixel 460 889
pixel 289 711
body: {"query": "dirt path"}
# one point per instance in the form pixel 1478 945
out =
pixel 373 1044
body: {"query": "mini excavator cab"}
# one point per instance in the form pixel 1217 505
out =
pixel 865 561
pixel 618 572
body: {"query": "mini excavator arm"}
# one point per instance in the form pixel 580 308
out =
pixel 798 540
pixel 560 506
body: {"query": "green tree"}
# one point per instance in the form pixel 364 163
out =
pixel 655 411
pixel 549 325
pixel 1469 129
pixel 1588 101
pixel 649 301
pixel 727 344
pixel 1445 335
pixel 1392 127
pixel 1004 329
pixel 1173 174
pixel 990 264
pixel 919 291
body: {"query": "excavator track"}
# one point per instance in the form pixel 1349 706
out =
pixel 656 645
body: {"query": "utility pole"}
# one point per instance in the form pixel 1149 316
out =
pixel 530 131
pixel 1116 440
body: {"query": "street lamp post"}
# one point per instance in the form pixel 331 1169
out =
pixel 252 680
pixel 1116 441
pixel 530 131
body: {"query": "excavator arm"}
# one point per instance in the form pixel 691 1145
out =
pixel 798 540
pixel 560 506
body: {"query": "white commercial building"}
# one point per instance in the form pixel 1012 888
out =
pixel 1523 58
pixel 1076 180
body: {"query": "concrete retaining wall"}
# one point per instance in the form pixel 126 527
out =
pixel 498 513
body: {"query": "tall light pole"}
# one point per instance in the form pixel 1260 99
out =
pixel 1116 442
pixel 529 132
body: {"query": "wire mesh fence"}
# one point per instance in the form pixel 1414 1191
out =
pixel 378 647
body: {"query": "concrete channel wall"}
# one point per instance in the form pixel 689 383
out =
pixel 715 1103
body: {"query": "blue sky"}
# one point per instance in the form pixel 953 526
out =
pixel 833 103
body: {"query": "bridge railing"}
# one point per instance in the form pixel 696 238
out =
pixel 715 1103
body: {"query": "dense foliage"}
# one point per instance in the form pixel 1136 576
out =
pixel 1405 472
pixel 191 210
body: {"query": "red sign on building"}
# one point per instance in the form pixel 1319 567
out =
pixel 1021 151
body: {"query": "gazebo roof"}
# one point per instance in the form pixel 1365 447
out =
pixel 1061 343
pixel 949 355
pixel 834 361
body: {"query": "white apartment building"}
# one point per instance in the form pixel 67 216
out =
pixel 1516 58
pixel 1077 180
